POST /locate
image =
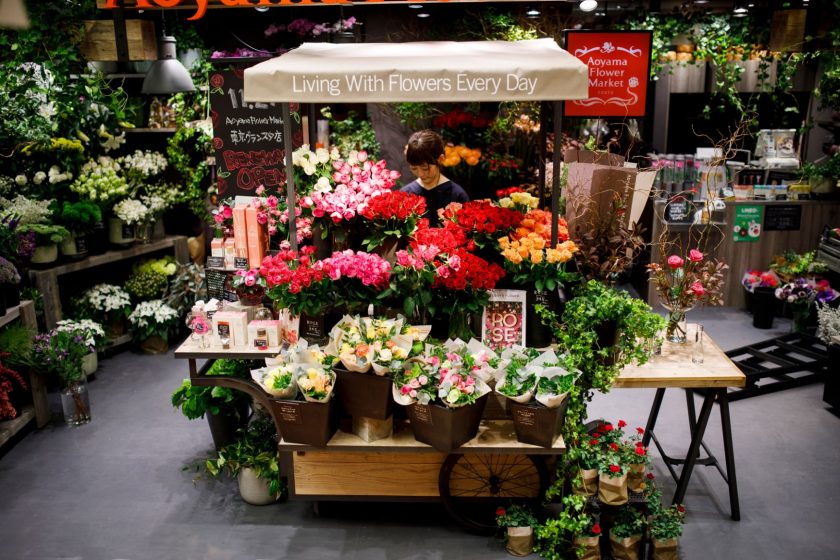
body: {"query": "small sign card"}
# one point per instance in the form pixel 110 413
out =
pixel 503 322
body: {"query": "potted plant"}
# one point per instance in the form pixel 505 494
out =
pixel 47 238
pixel 250 286
pixel 79 218
pixel 93 335
pixel 518 522
pixel 612 479
pixel 9 281
pixel 761 295
pixel 151 324
pixel 60 353
pixel 682 283
pixel 108 305
pixel 626 533
pixel 145 285
pixel 666 526
pixel 127 214
pixel 252 459
pixel 588 543
pixel 226 409
pixel 586 455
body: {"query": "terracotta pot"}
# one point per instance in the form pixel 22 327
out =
pixel 253 490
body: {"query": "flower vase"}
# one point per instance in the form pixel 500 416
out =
pixel 676 330
pixel 75 403
pixel 74 247
pixel 120 233
pixel 801 313
pixel 44 255
pixel 143 232
pixel 460 325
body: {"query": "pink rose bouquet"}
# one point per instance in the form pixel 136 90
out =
pixel 358 276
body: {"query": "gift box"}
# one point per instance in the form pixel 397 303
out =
pixel 232 325
pixel 272 330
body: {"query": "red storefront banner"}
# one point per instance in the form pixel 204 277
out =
pixel 619 67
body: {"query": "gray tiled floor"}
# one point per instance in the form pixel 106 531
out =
pixel 115 489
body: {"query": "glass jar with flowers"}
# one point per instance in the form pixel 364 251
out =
pixel 127 214
pixel 61 354
pixel 107 304
pixel 250 286
pixel 93 335
pixel 151 324
pixel 683 283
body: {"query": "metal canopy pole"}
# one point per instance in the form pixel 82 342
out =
pixel 555 176
pixel 543 138
pixel 290 175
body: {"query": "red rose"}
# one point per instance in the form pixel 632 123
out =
pixel 614 447
pixel 681 509
pixel 650 476
pixel 593 442
pixel 640 430
pixel 615 468
pixel 697 289
pixel 608 427
pixel 621 423
pixel 640 451
pixel 217 81
pixel 500 511
pixel 596 529
pixel 695 256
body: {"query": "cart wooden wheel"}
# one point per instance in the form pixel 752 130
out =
pixel 472 486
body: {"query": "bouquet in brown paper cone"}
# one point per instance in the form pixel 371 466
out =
pixel 518 523
pixel 626 534
pixel 588 543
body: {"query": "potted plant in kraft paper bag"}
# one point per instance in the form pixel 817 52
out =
pixel 588 543
pixel 666 526
pixel 252 459
pixel 586 455
pixel 682 283
pixel 443 398
pixel 152 322
pixel 612 479
pixel 250 286
pixel 60 353
pixel 626 533
pixel 518 523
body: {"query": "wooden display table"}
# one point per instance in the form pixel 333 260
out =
pixel 46 280
pixel 674 369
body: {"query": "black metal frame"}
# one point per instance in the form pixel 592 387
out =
pixel 791 353
pixel 698 425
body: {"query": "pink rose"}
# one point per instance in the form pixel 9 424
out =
pixel 405 389
pixel 455 262
pixel 250 280
pixel 271 201
pixel 227 211
pixel 675 262
pixel 695 256
pixel 260 189
pixel 218 218
pixel 697 289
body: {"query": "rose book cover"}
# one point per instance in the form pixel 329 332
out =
pixel 503 323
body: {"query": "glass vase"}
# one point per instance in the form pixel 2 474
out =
pixel 675 332
pixel 143 232
pixel 801 314
pixel 75 403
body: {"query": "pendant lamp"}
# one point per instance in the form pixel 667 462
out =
pixel 167 74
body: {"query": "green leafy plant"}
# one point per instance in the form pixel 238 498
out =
pixel 16 342
pixel 667 523
pixel 257 450
pixel 146 285
pixel 628 523
pixel 81 216
pixel 187 153
pixel 415 116
pixel 352 133
pixel 194 402
pixel 556 385
pixel 552 539
pixel 515 515
pixel 46 234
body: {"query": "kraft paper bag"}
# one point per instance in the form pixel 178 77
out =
pixel 612 491
pixel 590 483
pixel 635 477
pixel 591 548
pixel 626 548
pixel 665 549
pixel 520 541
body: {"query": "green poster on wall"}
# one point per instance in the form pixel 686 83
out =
pixel 748 219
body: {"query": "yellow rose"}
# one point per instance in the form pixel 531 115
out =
pixel 506 202
pixel 536 256
pixel 552 256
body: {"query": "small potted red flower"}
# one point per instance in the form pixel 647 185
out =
pixel 250 286
pixel 518 523
pixel 588 542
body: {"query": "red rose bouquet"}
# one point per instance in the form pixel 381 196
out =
pixel 295 281
pixel 482 221
pixel 393 214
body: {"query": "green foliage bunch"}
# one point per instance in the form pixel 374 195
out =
pixel 257 450
pixel 146 285
pixel 354 132
pixel 194 402
pixel 628 522
pixel 515 515
pixel 664 522
pixel 187 153
pixel 551 539
pixel 81 216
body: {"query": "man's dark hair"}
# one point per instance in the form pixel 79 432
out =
pixel 424 147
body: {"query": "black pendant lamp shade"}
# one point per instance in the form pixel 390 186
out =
pixel 167 74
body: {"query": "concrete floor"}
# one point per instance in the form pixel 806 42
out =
pixel 116 488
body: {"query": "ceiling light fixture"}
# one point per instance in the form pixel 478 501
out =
pixel 415 6
pixel 532 13
pixel 167 74
pixel 588 5
pixel 423 15
pixel 261 8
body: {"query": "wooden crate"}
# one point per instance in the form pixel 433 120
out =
pixel 100 41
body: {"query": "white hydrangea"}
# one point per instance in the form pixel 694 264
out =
pixel 107 298
pixel 152 313
pixel 91 330
pixel 147 164
pixel 132 211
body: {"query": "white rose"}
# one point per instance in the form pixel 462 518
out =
pixel 20 180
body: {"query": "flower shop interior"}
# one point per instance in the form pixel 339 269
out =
pixel 401 280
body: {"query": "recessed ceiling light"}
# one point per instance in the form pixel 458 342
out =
pixel 261 8
pixel 415 6
pixel 588 5
pixel 532 13
pixel 701 1
pixel 423 15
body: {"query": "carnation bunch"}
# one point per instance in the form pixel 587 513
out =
pixel 152 318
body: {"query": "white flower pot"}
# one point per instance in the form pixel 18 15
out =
pixel 45 254
pixel 120 233
pixel 253 490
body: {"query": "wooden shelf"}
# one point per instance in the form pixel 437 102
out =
pixel 150 130
pixel 125 76
pixel 9 428
pixel 11 314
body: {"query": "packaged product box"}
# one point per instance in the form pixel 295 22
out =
pixel 743 192
pixel 272 329
pixel 240 231
pixel 764 192
pixel 234 325
pixel 251 310
pixel 257 238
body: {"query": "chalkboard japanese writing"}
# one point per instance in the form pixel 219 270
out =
pixel 247 137
pixel 787 217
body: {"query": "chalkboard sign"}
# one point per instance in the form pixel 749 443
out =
pixel 679 210
pixel 784 217
pixel 247 137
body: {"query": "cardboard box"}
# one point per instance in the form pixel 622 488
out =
pixel 257 238
pixel 234 324
pixel 272 329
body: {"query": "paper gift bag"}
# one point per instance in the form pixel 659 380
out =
pixel 626 548
pixel 591 548
pixel 635 477
pixel 665 549
pixel 520 541
pixel 589 486
pixel 612 491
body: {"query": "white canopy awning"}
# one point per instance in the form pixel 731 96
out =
pixel 443 71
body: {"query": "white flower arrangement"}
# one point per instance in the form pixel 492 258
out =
pixel 100 181
pixel 132 211
pixel 829 322
pixel 106 298
pixel 39 177
pixel 309 161
pixel 146 164
pixel 26 210
pixel 155 203
pixel 90 330
pixel 55 175
pixel 20 180
pixel 152 317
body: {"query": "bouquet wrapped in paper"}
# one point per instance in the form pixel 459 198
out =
pixel 518 379
pixel 553 386
pixel 315 383
pixel 444 372
pixel 486 361
pixel 278 381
